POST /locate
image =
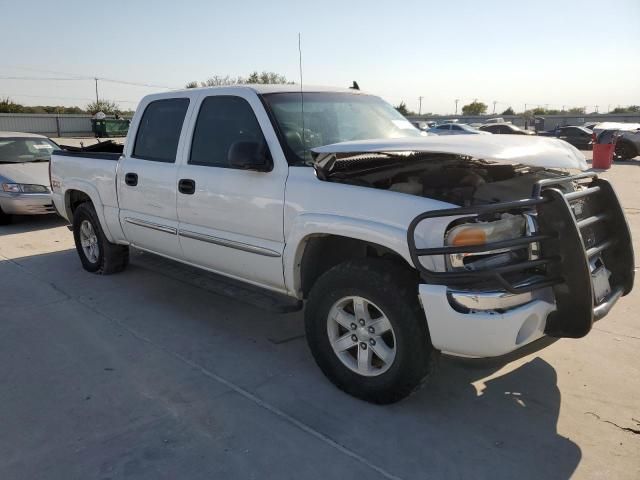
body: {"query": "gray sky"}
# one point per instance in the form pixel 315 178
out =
pixel 572 53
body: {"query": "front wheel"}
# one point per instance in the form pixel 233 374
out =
pixel 367 331
pixel 97 254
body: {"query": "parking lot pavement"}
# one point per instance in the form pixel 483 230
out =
pixel 156 373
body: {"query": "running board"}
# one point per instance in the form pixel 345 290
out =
pixel 218 284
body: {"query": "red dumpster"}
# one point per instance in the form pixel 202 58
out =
pixel 602 155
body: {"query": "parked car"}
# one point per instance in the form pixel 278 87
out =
pixel 423 125
pixel 579 137
pixel 505 129
pixel 401 245
pixel 24 175
pixel 628 145
pixel 455 129
pixel 494 120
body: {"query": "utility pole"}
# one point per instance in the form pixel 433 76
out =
pixel 494 107
pixel 96 79
pixel 596 108
pixel 420 107
pixel 457 100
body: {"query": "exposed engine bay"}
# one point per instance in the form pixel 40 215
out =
pixel 455 179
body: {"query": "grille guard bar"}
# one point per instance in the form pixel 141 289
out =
pixel 559 231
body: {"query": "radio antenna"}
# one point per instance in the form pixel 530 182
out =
pixel 304 144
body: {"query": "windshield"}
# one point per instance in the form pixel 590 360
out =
pixel 333 118
pixel 27 149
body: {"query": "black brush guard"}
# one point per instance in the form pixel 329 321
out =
pixel 564 259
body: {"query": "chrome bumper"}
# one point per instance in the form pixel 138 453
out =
pixel 26 203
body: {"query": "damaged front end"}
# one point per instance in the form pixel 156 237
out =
pixel 582 248
pixel 529 249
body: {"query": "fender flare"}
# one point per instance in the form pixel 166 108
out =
pixel 310 225
pixel 92 192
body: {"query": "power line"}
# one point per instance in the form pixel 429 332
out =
pixel 75 76
pixel 62 98
pixel 38 78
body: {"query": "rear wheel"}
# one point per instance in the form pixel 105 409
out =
pixel 367 331
pixel 97 254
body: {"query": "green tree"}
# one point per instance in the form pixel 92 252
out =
pixel 474 108
pixel 578 110
pixel 253 78
pixel 265 78
pixel 629 109
pixel 105 106
pixel 9 106
pixel 403 110
pixel 508 111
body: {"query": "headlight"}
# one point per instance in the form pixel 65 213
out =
pixel 24 188
pixel 507 227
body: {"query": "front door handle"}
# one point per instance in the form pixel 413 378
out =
pixel 187 186
pixel 131 179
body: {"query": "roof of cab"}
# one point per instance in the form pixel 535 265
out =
pixel 260 89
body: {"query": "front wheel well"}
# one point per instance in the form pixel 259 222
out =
pixel 323 252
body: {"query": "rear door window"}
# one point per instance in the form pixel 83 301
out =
pixel 159 130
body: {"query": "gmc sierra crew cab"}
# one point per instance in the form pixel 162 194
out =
pixel 400 246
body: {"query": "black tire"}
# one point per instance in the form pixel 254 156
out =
pixel 393 289
pixel 626 150
pixel 5 219
pixel 111 258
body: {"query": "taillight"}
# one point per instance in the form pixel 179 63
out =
pixel 50 184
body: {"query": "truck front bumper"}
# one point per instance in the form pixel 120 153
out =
pixel 26 203
pixel 481 333
pixel 585 262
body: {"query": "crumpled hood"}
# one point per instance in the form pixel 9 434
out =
pixel 521 149
pixel 36 173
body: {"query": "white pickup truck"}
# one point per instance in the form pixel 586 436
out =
pixel 401 245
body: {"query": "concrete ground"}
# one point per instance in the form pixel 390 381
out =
pixel 159 372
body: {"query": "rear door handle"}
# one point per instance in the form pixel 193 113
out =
pixel 187 186
pixel 131 179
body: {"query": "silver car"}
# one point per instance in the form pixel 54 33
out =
pixel 24 175
pixel 456 129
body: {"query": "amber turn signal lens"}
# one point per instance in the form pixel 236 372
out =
pixel 469 236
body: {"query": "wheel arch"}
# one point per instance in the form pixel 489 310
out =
pixel 75 195
pixel 319 242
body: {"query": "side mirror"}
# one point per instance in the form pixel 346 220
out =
pixel 249 156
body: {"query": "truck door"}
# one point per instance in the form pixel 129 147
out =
pixel 147 178
pixel 230 219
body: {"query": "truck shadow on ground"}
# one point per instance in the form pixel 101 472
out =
pixel 505 423
pixel 468 422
